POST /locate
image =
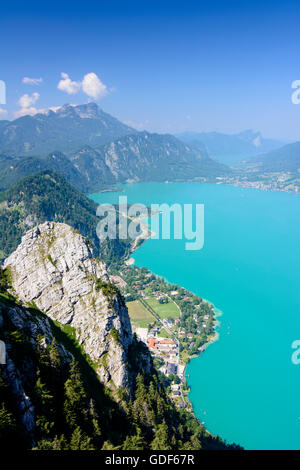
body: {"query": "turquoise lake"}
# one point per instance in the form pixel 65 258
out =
pixel 244 386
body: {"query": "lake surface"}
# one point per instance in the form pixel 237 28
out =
pixel 244 386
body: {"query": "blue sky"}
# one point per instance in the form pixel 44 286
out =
pixel 164 66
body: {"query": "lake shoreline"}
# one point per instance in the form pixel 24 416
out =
pixel 130 261
pixel 235 184
pixel 249 269
pixel 145 235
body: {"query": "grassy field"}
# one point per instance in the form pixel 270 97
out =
pixel 164 334
pixel 168 310
pixel 139 315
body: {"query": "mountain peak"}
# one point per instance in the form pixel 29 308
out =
pixel 65 128
pixel 88 110
pixel 54 268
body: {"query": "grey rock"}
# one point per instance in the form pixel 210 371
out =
pixel 54 268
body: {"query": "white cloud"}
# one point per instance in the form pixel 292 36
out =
pixel 26 103
pixel 32 81
pixel 28 100
pixel 67 85
pixel 93 87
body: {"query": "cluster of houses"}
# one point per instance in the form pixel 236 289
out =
pixel 196 319
pixel 168 323
pixel 161 297
pixel 167 350
pixel 161 344
pixel 139 285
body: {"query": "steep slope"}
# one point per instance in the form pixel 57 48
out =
pixel 230 148
pixel 91 165
pixel 50 395
pixel 13 169
pixel 49 197
pixel 65 129
pixel 54 268
pixel 145 157
pixel 137 157
pixel 284 159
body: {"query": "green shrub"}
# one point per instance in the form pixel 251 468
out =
pixel 115 334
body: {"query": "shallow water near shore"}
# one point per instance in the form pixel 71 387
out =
pixel 244 386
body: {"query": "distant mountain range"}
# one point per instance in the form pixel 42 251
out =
pixel 95 151
pixel 230 149
pixel 66 129
pixel 144 157
pixel 284 159
pixel 126 155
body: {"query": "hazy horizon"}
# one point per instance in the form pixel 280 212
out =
pixel 175 133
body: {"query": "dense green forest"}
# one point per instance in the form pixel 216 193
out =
pixel 47 196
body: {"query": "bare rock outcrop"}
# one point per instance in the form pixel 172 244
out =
pixel 53 269
pixel 38 329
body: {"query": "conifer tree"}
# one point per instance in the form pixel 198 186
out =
pixel 161 440
pixel 75 404
pixel 136 442
pixel 80 440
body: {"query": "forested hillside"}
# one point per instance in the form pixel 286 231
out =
pixel 51 397
pixel 48 196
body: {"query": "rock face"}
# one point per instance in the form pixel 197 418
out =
pixel 35 327
pixel 54 269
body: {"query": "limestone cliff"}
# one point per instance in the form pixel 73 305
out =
pixel 19 368
pixel 53 268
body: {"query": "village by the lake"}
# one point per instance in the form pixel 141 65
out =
pixel 175 324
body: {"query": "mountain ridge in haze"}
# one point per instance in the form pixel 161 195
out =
pixel 92 161
pixel 65 129
pixel 230 149
pixel 285 158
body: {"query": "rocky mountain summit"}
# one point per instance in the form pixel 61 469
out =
pixel 230 149
pixel 65 128
pixel 54 269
